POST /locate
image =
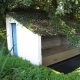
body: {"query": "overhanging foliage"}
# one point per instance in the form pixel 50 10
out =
pixel 57 10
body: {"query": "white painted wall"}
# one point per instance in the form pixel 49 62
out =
pixel 28 43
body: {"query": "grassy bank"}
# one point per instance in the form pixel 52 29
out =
pixel 19 69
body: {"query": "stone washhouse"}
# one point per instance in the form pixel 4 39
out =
pixel 30 36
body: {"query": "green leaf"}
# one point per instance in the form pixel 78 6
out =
pixel 76 2
pixel 73 0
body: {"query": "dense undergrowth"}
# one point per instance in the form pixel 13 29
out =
pixel 18 69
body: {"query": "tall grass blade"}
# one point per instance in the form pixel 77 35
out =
pixel 5 61
pixel 2 49
pixel 1 56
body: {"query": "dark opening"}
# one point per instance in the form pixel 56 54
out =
pixel 67 66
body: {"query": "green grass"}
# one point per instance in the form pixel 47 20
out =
pixel 23 70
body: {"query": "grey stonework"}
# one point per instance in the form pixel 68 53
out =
pixel 52 41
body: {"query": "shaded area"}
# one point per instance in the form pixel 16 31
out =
pixel 54 50
pixel 67 66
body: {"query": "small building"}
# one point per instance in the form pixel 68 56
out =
pixel 32 38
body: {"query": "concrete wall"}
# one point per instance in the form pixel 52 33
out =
pixel 52 41
pixel 64 40
pixel 28 43
pixel 79 45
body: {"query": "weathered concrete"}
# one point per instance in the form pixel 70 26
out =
pixel 52 41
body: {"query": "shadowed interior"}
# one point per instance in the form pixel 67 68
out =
pixel 54 49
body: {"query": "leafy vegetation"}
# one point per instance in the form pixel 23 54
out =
pixel 1 56
pixel 18 69
pixel 63 14
pixel 15 68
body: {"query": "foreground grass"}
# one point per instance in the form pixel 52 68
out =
pixel 18 69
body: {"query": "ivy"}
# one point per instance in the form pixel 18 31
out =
pixel 65 27
pixel 38 22
pixel 57 11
